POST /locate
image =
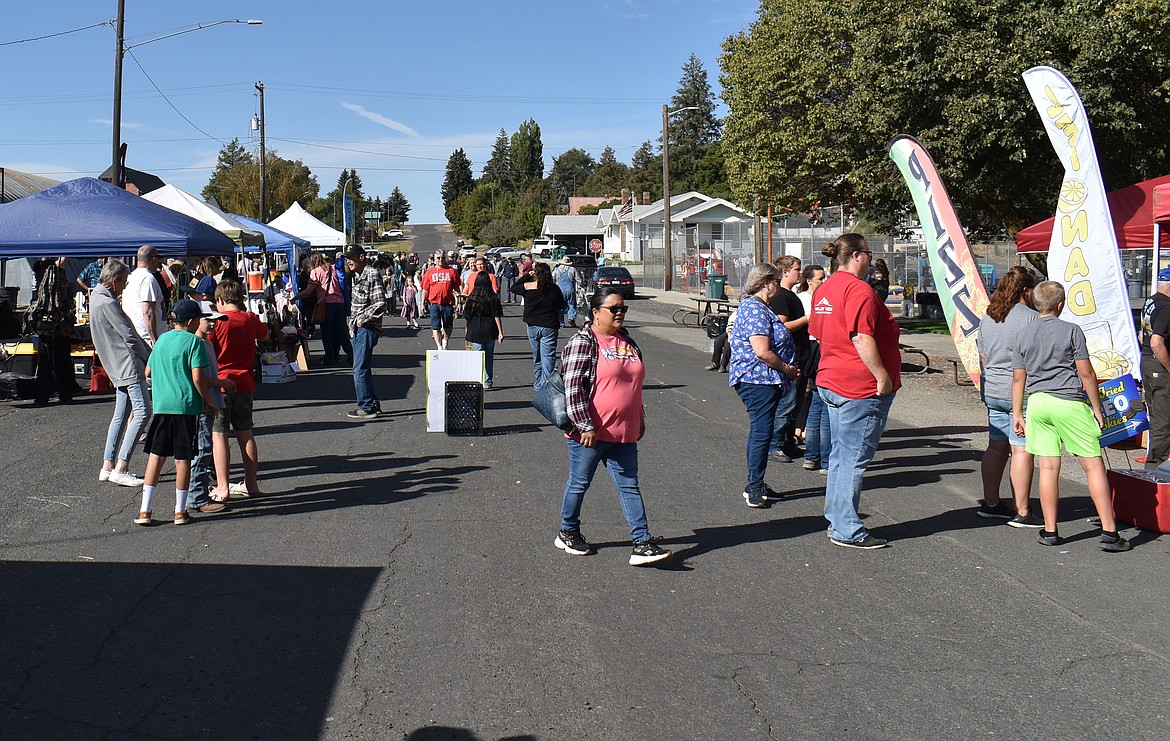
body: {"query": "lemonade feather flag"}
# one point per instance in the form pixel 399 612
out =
pixel 960 287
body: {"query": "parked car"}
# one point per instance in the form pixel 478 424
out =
pixel 614 276
pixel 393 234
pixel 544 246
pixel 504 253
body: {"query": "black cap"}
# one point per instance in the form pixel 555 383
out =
pixel 354 253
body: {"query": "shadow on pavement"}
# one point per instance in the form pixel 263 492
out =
pixel 146 650
pixel 449 733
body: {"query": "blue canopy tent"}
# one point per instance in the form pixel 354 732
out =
pixel 90 218
pixel 277 241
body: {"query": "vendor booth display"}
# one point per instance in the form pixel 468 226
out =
pixel 185 203
pixel 299 222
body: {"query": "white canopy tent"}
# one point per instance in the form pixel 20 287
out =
pixel 185 203
pixel 300 223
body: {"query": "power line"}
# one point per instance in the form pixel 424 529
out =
pixel 358 151
pixel 168 100
pixel 54 35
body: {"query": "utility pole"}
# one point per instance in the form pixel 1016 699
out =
pixel 668 276
pixel 263 164
pixel 119 52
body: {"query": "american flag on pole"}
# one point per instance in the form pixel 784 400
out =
pixel 627 207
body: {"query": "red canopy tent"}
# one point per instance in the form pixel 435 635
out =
pixel 1133 210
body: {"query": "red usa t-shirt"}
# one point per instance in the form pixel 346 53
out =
pixel 843 306
pixel 235 347
pixel 439 285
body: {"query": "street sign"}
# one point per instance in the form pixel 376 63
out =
pixel 595 245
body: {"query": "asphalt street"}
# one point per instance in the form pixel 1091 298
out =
pixel 397 584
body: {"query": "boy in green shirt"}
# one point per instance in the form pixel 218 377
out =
pixel 179 394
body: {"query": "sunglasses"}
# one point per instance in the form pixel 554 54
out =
pixel 615 310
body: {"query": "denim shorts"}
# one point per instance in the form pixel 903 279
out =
pixel 999 421
pixel 442 316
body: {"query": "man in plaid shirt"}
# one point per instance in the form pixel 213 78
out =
pixel 367 305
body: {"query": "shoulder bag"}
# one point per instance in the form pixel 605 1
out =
pixel 550 401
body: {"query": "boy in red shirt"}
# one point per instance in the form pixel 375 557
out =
pixel 235 340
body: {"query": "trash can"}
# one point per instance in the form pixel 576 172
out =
pixel 558 253
pixel 716 286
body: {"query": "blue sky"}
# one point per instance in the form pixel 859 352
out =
pixel 388 88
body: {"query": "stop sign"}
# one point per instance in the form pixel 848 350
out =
pixel 595 245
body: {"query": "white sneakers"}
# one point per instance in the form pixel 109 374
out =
pixel 122 479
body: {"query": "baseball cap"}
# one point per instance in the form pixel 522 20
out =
pixel 355 252
pixel 186 310
pixel 209 311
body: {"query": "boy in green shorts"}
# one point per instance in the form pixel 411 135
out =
pixel 1051 364
pixel 179 393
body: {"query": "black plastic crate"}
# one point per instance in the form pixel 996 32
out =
pixel 463 412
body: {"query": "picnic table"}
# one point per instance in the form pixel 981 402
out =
pixel 704 307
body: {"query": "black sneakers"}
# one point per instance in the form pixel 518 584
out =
pixel 868 543
pixel 647 553
pixel 757 499
pixel 573 543
pixel 771 495
pixel 1029 520
pixel 1114 543
pixel 1001 511
pixel 1049 538
pixel 362 414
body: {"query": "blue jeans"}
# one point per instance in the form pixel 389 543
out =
pixel 856 426
pixel 202 466
pixel 543 341
pixel 334 333
pixel 621 460
pixel 570 301
pixel 761 400
pixel 363 378
pixel 782 421
pixel 818 436
pixel 133 398
pixel 489 359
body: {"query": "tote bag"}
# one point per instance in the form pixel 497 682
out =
pixel 551 403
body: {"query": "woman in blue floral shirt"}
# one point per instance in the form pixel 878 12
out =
pixel 762 357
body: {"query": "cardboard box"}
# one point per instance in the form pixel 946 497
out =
pixel 277 373
pixel 1141 498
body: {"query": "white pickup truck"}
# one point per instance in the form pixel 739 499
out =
pixel 544 246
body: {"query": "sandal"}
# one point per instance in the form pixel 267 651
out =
pixel 182 518
pixel 143 518
pixel 217 498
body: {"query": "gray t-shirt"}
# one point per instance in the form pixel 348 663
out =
pixel 1048 350
pixel 996 342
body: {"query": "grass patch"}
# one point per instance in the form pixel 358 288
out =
pixel 933 326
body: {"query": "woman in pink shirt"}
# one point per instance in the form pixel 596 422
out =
pixel 324 283
pixel 603 373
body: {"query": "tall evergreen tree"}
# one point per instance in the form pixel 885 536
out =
pixel 498 169
pixel 570 171
pixel 232 155
pixel 609 177
pixel 457 181
pixel 397 207
pixel 691 132
pixel 646 172
pixel 527 154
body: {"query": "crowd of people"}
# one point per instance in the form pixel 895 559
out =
pixel 812 353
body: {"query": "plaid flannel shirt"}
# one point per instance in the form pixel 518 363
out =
pixel 367 300
pixel 579 370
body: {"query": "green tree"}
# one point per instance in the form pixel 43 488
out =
pixel 539 200
pixel 527 155
pixel 569 172
pixel 816 90
pixel 608 178
pixel 237 188
pixel 232 155
pixel 397 207
pixel 692 132
pixel 487 202
pixel 458 181
pixel 498 169
pixel 499 233
pixel 646 172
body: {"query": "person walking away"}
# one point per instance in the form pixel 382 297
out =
pixel 235 337
pixel 565 276
pixel 482 313
pixel 814 416
pixel 999 335
pixel 1156 373
pixel 763 369
pixel 199 492
pixel 368 305
pixel 123 355
pixel 50 316
pixel 604 375
pixel 439 284
pixel 143 300
pixel 179 394
pixel 858 377
pixel 118 345
pixel 791 311
pixel 326 288
pixel 1051 367
pixel 508 275
pixel 543 302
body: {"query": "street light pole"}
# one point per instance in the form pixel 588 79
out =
pixel 263 164
pixel 120 50
pixel 667 258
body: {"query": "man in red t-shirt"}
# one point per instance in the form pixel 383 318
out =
pixel 235 341
pixel 439 284
pixel 858 375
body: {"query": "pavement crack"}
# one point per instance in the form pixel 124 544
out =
pixel 739 686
